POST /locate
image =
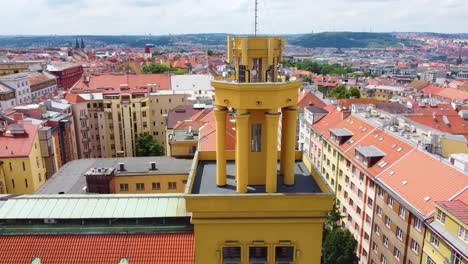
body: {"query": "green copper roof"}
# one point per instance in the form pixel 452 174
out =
pixel 83 206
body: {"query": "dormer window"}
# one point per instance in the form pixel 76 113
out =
pixel 369 155
pixel 340 135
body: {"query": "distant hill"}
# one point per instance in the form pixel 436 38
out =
pixel 348 40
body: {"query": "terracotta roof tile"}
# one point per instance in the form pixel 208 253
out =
pixel 328 120
pixel 348 102
pixel 422 180
pixel 307 98
pixel 74 98
pixel 19 146
pixel 98 249
pixel 162 81
pixel 208 133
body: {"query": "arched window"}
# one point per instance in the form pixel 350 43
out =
pixel 35 260
pixel 123 261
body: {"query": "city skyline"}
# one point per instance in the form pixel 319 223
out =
pixel 143 17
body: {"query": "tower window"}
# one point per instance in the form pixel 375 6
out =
pixel 258 254
pixel 284 254
pixel 242 70
pixel 231 255
pixel 256 138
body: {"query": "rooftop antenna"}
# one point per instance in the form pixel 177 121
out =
pixel 256 17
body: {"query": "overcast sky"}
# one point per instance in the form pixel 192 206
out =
pixel 112 17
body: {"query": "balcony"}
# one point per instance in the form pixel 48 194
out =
pixel 85 128
pixel 87 150
pixel 83 117
pixel 85 139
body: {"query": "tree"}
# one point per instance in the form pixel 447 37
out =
pixel 338 244
pixel 210 52
pixel 156 68
pixel 339 92
pixel 339 247
pixel 354 92
pixel 147 146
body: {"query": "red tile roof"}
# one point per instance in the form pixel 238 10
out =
pixel 457 208
pixel 19 146
pixel 418 176
pixel 97 249
pixel 208 133
pixel 447 93
pixel 74 98
pixel 329 120
pixel 162 81
pixel 307 98
pixel 457 124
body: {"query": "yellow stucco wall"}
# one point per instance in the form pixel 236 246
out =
pixel 182 148
pixel 164 180
pixel 452 146
pixel 33 171
pixel 443 251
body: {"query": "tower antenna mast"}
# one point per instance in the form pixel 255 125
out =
pixel 256 17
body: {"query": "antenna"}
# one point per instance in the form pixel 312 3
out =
pixel 256 17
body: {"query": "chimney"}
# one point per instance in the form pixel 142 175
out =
pixel 345 113
pixel 153 165
pixel 121 166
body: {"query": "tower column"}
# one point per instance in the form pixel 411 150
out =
pixel 220 116
pixel 288 144
pixel 242 150
pixel 271 122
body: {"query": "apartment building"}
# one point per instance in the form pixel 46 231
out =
pixel 134 175
pixel 447 233
pixel 196 85
pixel 19 83
pixel 7 68
pixel 20 151
pixel 370 170
pixel 407 195
pixel 109 123
pixel 42 83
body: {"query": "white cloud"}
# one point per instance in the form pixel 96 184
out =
pixel 197 16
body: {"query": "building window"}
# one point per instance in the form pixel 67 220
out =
pixel 370 202
pixel 402 212
pixel 414 246
pixel 358 210
pixel 377 229
pixel 231 255
pixel 140 186
pixel 396 253
pixel 388 222
pixel 440 216
pixel 375 247
pixel 13 183
pixel 385 241
pixel 359 194
pixel 258 254
pixel 417 224
pixel 381 193
pixel 383 259
pixel 11 168
pixel 368 219
pixel 172 185
pixel 390 202
pixel 284 254
pixel 26 183
pixel 463 234
pixel 123 187
pixel 434 241
pixel 256 138
pixel 430 261
pixel 379 211
pixel 156 186
pixel 455 258
pixel 24 166
pixel 399 233
pixel 366 236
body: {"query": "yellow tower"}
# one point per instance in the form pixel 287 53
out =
pixel 259 98
pixel 257 204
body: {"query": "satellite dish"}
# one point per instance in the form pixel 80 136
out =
pixel 254 72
